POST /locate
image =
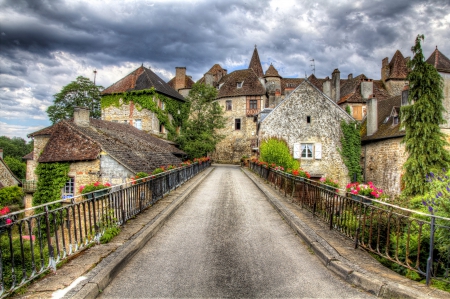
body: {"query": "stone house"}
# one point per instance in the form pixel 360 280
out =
pixel 145 101
pixel 98 150
pixel 181 82
pixel 7 177
pixel 383 153
pixel 310 122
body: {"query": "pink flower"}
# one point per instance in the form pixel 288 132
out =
pixel 107 184
pixel 81 188
pixel 4 211
pixel 8 221
pixel 96 183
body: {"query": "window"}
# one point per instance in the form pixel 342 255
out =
pixel 237 123
pixel 395 120
pixel 253 104
pixel 308 119
pixel 307 150
pixel 161 129
pixel 229 105
pixel 68 189
pixel 239 84
pixel 138 124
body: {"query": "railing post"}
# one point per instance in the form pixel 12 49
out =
pixel 430 256
pixel 51 261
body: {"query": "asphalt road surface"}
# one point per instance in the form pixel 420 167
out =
pixel 227 241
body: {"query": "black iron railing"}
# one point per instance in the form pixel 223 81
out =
pixel 401 236
pixel 35 240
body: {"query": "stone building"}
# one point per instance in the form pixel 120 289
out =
pixel 7 177
pixel 143 100
pixel 310 122
pixel 181 82
pixel 394 73
pixel 98 150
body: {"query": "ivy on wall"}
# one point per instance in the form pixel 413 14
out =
pixel 52 178
pixel 148 99
pixel 351 149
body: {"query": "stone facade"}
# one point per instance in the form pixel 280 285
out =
pixel 308 116
pixel 383 162
pixel 6 176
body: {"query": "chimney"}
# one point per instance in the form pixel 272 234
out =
pixel 326 87
pixel 385 71
pixel 372 115
pixel 350 76
pixel 366 88
pixel 336 85
pixel 81 116
pixel 1 153
pixel 405 94
pixel 180 78
pixel 209 79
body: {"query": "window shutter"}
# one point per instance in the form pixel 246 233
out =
pixel 318 151
pixel 297 151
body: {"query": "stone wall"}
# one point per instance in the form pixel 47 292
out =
pixel 85 173
pixel 383 162
pixel 6 177
pixel 39 144
pixel 395 87
pixel 237 143
pixel 113 172
pixel 289 121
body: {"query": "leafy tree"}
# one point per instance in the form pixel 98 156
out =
pixel 200 133
pixel 80 93
pixel 17 166
pixel 276 150
pixel 15 147
pixel 424 140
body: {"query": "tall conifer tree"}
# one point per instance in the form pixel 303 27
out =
pixel 424 140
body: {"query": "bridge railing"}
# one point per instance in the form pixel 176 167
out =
pixel 416 241
pixel 35 240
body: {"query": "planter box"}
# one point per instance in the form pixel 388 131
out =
pixel 362 199
pixel 97 194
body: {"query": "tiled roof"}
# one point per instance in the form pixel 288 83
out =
pixel 255 64
pixel 143 78
pixel 272 72
pixel 19 182
pixel 42 132
pixel 351 91
pixel 217 71
pixel 133 148
pixel 188 82
pixel 386 129
pixel 29 156
pixel 290 83
pixel 251 84
pixel 316 82
pixel 439 61
pixel 397 66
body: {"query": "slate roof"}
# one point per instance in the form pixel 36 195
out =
pixel 251 85
pixel 133 148
pixel 316 82
pixel 143 78
pixel 397 66
pixel 188 82
pixel 255 64
pixel 439 61
pixel 351 90
pixel 386 129
pixel 28 156
pixel 272 72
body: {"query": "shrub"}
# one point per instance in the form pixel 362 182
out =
pixel 93 187
pixel 12 195
pixel 276 150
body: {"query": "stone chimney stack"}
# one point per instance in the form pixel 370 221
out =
pixel 1 153
pixel 180 78
pixel 372 115
pixel 350 76
pixel 326 87
pixel 81 116
pixel 366 88
pixel 209 79
pixel 336 85
pixel 405 95
pixel 385 70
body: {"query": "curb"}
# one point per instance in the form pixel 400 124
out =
pixel 336 263
pixel 106 273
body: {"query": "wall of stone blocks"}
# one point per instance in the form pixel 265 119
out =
pixel 5 176
pixel 395 87
pixel 383 164
pixel 289 122
pixel 113 172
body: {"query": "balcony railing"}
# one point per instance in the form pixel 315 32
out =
pixel 31 245
pixel 252 112
pixel 29 186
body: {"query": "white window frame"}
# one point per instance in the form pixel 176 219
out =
pixel 138 124
pixel 68 187
pixel 306 146
pixel 240 84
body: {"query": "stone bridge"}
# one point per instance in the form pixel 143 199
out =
pixel 226 233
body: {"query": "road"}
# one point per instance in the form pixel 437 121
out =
pixel 227 241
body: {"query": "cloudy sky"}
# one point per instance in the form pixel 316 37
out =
pixel 45 44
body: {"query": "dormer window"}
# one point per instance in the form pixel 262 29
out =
pixel 395 120
pixel 240 84
pixel 220 85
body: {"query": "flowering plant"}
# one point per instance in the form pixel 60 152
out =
pixel 201 160
pixel 93 187
pixel 280 168
pixel 329 182
pixel 3 212
pixel 301 173
pixel 368 190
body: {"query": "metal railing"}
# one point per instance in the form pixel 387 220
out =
pixel 29 186
pixel 405 237
pixel 35 240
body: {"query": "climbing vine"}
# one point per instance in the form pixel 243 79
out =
pixel 351 149
pixel 148 99
pixel 52 178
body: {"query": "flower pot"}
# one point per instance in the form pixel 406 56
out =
pixel 330 188
pixel 97 194
pixel 361 199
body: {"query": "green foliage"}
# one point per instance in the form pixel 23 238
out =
pixel 15 147
pixel 109 233
pixel 158 170
pixel 200 134
pixel 93 187
pixel 276 150
pixel 12 195
pixel 18 167
pixel 351 149
pixel 148 99
pixel 348 110
pixel 80 93
pixel 141 175
pixel 52 178
pixel 424 141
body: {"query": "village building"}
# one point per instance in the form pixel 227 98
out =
pixel 98 150
pixel 7 177
pixel 145 101
pixel 181 82
pixel 310 122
